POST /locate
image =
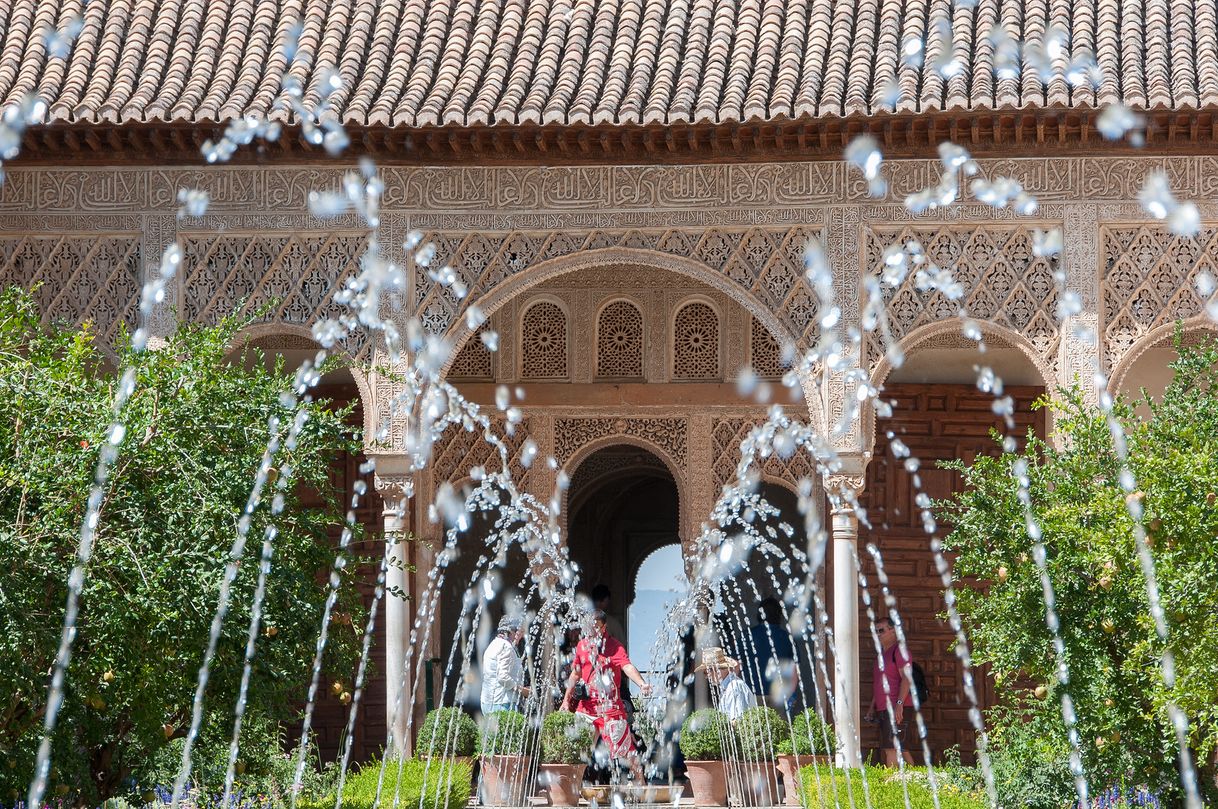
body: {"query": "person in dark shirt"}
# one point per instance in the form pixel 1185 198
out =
pixel 771 657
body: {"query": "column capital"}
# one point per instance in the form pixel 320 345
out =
pixel 846 483
pixel 393 489
pixel 394 478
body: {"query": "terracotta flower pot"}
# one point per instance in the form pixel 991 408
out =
pixel 709 782
pixel 756 782
pixel 563 781
pixel 789 766
pixel 505 780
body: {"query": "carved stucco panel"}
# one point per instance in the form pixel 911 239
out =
pixel 1003 282
pixel 764 263
pixel 78 277
pixel 1149 280
pixel 669 434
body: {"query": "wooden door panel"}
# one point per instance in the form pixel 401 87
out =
pixel 937 423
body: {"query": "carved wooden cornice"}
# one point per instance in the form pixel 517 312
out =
pixel 1005 133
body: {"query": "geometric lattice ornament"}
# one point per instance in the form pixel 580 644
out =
pixel 543 342
pixel 619 341
pixel 726 437
pixel 288 277
pixel 1149 279
pixel 696 343
pixel 766 262
pixel 473 361
pixel 93 277
pixel 1003 282
pixel 765 354
pixel 458 451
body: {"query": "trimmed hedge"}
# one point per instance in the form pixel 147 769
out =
pixel 447 732
pixel 885 789
pixel 436 784
pixel 808 732
pixel 565 739
pixel 760 731
pixel 507 733
pixel 703 735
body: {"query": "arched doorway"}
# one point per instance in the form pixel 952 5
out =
pixel 939 414
pixel 659 581
pixel 342 387
pixel 623 505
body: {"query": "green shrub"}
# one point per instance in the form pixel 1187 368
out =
pixel 1029 757
pixel 759 730
pixel 266 765
pixel 885 788
pixel 565 739
pixel 434 784
pixel 808 733
pixel 447 732
pixel 703 735
pixel 507 733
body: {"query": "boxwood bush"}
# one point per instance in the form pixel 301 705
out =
pixel 703 735
pixel 435 784
pixel 507 733
pixel 884 788
pixel 808 734
pixel 565 739
pixel 759 730
pixel 447 732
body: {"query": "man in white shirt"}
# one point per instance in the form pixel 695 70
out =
pixel 503 687
pixel 735 696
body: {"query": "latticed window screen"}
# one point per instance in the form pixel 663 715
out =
pixel 543 342
pixel 473 361
pixel 695 343
pixel 619 341
pixel 765 354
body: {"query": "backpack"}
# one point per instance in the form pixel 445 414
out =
pixel 918 676
pixel 919 682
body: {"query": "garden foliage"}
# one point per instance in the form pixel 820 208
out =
pixel 1081 504
pixel 447 732
pixel 414 783
pixel 808 735
pixel 886 789
pixel 507 733
pixel 566 739
pixel 196 429
pixel 759 732
pixel 704 735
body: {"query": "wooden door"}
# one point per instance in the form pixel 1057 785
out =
pixel 937 423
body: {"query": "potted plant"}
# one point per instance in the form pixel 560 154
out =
pixel 448 733
pixel 507 741
pixel 702 741
pixel 566 743
pixel 811 740
pixel 759 731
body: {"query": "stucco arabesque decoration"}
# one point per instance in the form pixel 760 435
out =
pixel 42 209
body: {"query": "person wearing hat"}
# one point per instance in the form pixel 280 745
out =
pixel 735 696
pixel 503 687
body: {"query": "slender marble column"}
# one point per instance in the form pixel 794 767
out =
pixel 395 491
pixel 844 490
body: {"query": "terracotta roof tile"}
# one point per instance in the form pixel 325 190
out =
pixel 422 63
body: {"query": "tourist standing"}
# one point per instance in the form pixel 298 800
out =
pixel 600 663
pixel 890 688
pixel 503 687
pixel 772 657
pixel 735 697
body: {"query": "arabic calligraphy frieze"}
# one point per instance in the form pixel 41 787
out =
pixel 745 189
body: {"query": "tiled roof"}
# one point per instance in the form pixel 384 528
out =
pixel 475 63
